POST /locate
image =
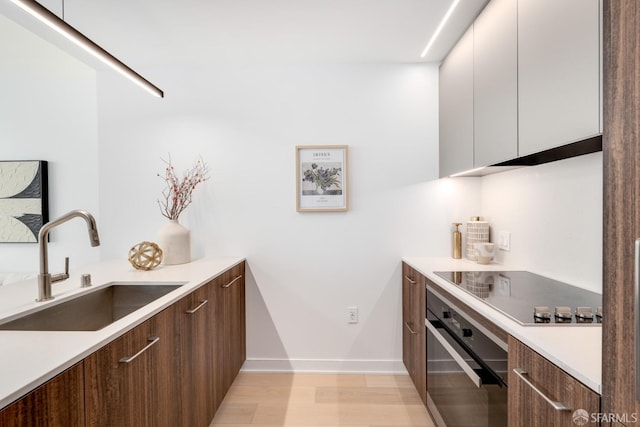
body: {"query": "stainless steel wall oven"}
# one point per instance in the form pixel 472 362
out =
pixel 466 367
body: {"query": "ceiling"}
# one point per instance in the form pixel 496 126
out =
pixel 160 33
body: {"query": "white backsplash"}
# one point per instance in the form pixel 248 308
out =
pixel 554 214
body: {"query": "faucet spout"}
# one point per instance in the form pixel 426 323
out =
pixel 44 278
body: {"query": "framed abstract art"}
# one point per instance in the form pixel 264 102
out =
pixel 23 200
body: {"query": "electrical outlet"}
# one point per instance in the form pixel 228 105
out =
pixel 504 241
pixel 352 314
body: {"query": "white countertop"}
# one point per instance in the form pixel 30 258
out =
pixel 575 349
pixel 30 358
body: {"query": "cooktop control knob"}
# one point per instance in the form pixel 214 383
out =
pixel 466 332
pixel 541 314
pixel 563 314
pixel 599 314
pixel 584 315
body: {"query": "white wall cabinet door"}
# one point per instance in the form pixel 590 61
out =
pixel 495 89
pixel 456 108
pixel 558 72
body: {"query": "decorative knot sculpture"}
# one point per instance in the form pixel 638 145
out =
pixel 145 256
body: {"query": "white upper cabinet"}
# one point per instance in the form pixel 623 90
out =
pixel 526 77
pixel 495 88
pixel 456 108
pixel 558 72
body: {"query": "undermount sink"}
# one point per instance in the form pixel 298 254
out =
pixel 94 310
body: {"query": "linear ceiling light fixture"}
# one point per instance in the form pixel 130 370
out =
pixel 53 21
pixel 440 27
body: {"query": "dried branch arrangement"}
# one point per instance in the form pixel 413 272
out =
pixel 177 195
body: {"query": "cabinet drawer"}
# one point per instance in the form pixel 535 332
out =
pixel 536 385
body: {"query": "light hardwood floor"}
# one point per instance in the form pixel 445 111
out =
pixel 322 400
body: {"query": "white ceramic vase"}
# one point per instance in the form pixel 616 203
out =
pixel 175 242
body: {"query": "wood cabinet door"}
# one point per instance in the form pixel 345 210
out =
pixel 621 151
pixel 58 402
pixel 195 336
pixel 230 324
pixel 131 381
pixel 456 108
pixel 420 343
pixel 237 338
pixel 408 328
pixel 414 345
pixel 527 407
pixel 558 73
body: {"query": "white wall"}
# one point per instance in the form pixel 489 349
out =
pixel 554 214
pixel 304 268
pixel 48 111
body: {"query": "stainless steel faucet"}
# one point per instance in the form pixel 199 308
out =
pixel 44 278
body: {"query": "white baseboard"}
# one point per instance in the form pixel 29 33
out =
pixel 395 367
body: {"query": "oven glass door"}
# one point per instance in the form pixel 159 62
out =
pixel 460 392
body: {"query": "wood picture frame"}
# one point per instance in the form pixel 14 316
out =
pixel 321 178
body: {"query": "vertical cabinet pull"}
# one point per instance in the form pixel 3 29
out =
pixel 636 291
pixel 410 328
pixel 130 359
pixel 193 310
pixel 232 282
pixel 413 282
pixel 558 406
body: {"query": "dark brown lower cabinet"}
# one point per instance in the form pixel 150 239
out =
pixel 180 379
pixel 414 345
pixel 212 341
pixel 230 349
pixel 132 380
pixel 528 408
pixel 172 370
pixel 196 400
pixel 59 402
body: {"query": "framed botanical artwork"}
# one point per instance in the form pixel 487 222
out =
pixel 23 200
pixel 321 178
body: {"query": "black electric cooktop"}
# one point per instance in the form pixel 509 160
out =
pixel 530 299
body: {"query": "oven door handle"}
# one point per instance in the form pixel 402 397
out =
pixel 453 353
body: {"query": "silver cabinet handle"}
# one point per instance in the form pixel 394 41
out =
pixel 454 354
pixel 636 287
pixel 409 328
pixel 232 282
pixel 193 310
pixel 413 282
pixel 558 406
pixel 130 359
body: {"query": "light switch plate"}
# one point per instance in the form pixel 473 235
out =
pixel 504 240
